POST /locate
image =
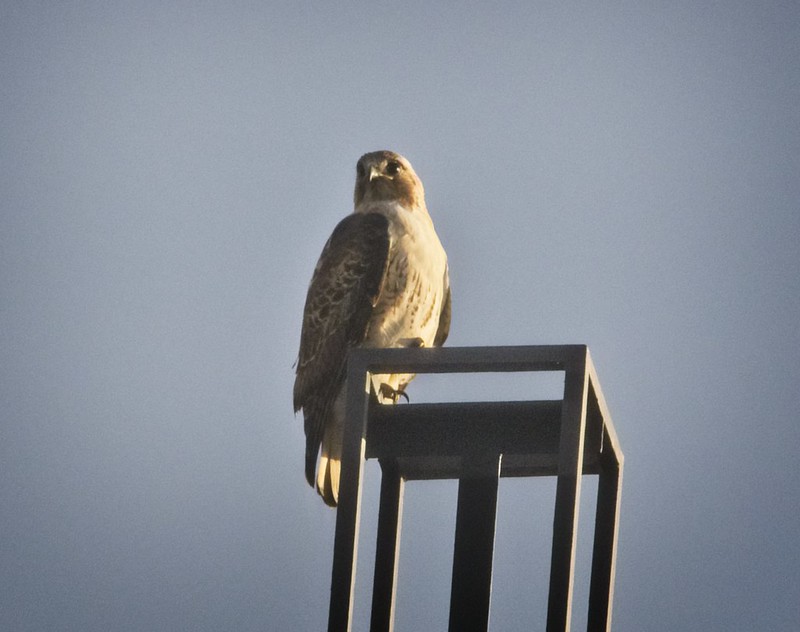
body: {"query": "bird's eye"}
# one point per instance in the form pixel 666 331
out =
pixel 360 170
pixel 392 167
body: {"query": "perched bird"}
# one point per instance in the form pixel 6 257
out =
pixel 381 281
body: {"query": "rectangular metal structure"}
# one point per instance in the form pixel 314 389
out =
pixel 476 443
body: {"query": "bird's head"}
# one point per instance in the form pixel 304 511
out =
pixel 384 176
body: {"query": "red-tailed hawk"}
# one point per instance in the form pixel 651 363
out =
pixel 381 281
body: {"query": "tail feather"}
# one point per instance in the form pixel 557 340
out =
pixel 330 465
pixel 311 461
pixel 325 474
pixel 328 480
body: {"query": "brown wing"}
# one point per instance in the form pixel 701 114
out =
pixel 444 316
pixel 344 289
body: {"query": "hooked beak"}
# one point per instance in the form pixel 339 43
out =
pixel 374 172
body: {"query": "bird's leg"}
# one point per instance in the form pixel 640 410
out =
pixel 393 394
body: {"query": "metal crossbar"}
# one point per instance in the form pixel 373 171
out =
pixel 476 443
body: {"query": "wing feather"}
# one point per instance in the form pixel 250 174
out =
pixel 444 316
pixel 344 289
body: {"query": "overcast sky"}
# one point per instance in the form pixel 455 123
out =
pixel 624 175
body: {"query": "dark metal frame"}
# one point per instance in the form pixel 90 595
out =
pixel 477 442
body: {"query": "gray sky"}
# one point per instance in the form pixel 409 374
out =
pixel 625 176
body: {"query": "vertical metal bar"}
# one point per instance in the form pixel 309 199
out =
pixel 568 489
pixel 471 586
pixel 390 515
pixel 345 547
pixel 604 553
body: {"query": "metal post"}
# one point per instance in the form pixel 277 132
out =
pixel 568 491
pixel 601 588
pixel 390 515
pixel 345 547
pixel 471 587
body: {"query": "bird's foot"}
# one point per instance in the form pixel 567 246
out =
pixel 392 394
